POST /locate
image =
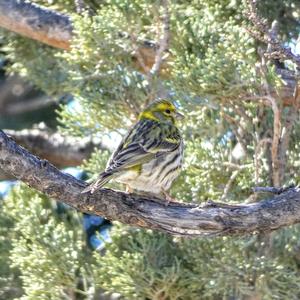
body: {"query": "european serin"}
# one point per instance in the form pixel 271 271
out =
pixel 150 156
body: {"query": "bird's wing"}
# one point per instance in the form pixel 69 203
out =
pixel 145 141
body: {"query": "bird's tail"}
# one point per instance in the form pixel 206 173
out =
pixel 102 180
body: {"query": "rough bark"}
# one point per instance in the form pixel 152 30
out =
pixel 35 22
pixel 60 150
pixel 53 28
pixel 177 218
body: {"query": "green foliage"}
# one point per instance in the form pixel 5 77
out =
pixel 207 62
pixel 10 284
pixel 144 265
pixel 47 248
pixel 100 53
pixel 36 62
pixel 238 268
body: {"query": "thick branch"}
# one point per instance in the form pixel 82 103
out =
pixel 177 218
pixel 4 176
pixel 39 23
pixel 60 150
pixel 18 97
pixel 52 28
pixel 30 105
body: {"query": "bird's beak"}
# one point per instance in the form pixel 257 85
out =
pixel 179 116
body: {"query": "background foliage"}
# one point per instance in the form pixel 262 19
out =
pixel 215 73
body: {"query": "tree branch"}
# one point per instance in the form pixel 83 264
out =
pixel 276 142
pixel 60 150
pixel 53 28
pixel 5 176
pixel 262 32
pixel 25 106
pixel 36 22
pixel 14 92
pixel 163 43
pixel 177 218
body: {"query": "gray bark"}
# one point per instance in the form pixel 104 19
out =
pixel 52 28
pixel 62 151
pixel 133 209
pixel 36 22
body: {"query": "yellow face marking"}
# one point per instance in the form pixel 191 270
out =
pixel 148 115
pixel 163 106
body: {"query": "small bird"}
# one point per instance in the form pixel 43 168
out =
pixel 150 156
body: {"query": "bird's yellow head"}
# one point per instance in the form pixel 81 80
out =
pixel 161 111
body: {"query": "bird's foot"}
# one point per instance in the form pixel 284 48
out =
pixel 168 198
pixel 129 190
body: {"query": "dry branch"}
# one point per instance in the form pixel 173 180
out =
pixel 164 40
pixel 177 218
pixel 268 35
pixel 276 142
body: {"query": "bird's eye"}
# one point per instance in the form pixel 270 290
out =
pixel 167 111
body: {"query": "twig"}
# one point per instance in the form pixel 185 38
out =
pixel 80 6
pixel 164 40
pixel 276 164
pixel 229 184
pixel 234 124
pixel 268 36
pixel 273 33
pixel 271 189
pixel 256 160
pixel 236 166
pixel 235 173
pixel 277 169
pixel 289 123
